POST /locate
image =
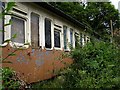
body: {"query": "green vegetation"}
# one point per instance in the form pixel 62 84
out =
pixel 96 65
pixel 9 79
pixel 96 16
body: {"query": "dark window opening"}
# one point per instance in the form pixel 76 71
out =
pixel 34 30
pixel 48 33
pixel 18 28
pixel 71 37
pixel 65 36
pixel 76 39
pixel 81 39
pixel 57 39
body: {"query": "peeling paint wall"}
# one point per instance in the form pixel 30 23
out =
pixel 34 65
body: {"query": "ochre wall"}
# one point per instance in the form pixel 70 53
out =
pixel 34 65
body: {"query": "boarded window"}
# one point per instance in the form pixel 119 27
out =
pixel 18 28
pixel 1 24
pixel 71 37
pixel 34 30
pixel 57 38
pixel 48 33
pixel 65 36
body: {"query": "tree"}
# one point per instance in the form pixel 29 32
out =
pixel 95 15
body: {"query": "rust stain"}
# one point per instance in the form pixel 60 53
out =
pixel 34 65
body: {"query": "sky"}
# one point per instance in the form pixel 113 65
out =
pixel 115 3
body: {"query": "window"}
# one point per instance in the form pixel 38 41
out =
pixel 1 25
pixel 71 37
pixel 18 28
pixel 81 39
pixel 76 39
pixel 88 39
pixel 84 39
pixel 34 30
pixel 47 33
pixel 57 38
pixel 65 36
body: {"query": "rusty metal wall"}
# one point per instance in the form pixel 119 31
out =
pixel 34 65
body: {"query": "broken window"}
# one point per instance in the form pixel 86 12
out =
pixel 57 38
pixel 47 33
pixel 18 29
pixel 65 36
pixel 34 30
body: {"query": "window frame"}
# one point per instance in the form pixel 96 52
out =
pixel 26 25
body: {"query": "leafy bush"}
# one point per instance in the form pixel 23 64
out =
pixel 9 79
pixel 96 65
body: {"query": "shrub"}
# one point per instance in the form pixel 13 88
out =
pixel 10 79
pixel 96 65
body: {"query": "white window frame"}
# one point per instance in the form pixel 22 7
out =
pixel 25 18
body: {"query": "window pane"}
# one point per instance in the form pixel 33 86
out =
pixel 76 39
pixel 81 39
pixel 34 30
pixel 65 36
pixel 47 33
pixel 1 25
pixel 57 39
pixel 18 28
pixel 71 37
pixel 84 39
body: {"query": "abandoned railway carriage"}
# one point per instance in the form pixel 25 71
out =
pixel 48 31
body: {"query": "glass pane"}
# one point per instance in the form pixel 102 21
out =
pixel 34 30
pixel 65 37
pixel 81 39
pixel 57 39
pixel 71 37
pixel 47 33
pixel 18 28
pixel 1 25
pixel 76 39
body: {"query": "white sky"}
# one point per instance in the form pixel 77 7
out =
pixel 115 2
